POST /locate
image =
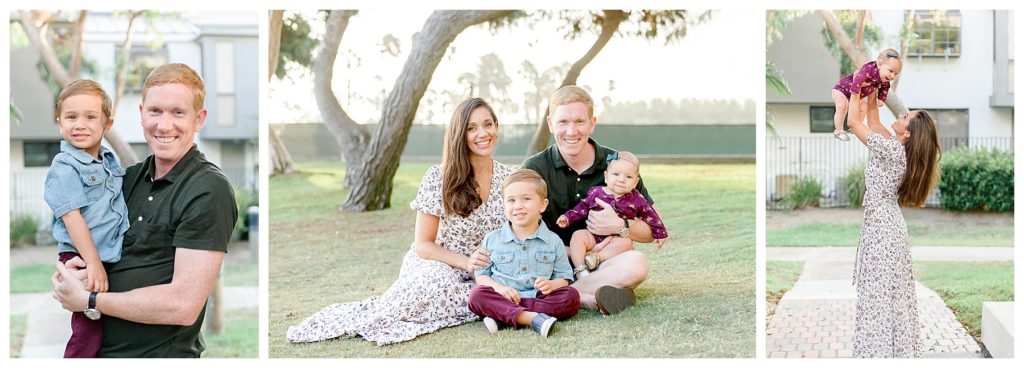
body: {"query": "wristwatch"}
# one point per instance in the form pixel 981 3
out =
pixel 625 230
pixel 91 311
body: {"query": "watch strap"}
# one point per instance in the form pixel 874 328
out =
pixel 92 300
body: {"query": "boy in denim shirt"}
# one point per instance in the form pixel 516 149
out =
pixel 526 258
pixel 83 188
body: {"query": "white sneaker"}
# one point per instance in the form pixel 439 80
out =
pixel 841 135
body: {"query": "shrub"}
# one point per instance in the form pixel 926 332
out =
pixel 976 179
pixel 23 230
pixel 244 199
pixel 854 184
pixel 805 191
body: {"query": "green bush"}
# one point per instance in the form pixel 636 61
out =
pixel 244 199
pixel 976 179
pixel 805 191
pixel 23 230
pixel 854 184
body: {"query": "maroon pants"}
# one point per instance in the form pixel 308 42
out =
pixel 86 334
pixel 563 303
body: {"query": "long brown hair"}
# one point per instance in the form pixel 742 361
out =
pixel 923 153
pixel 459 187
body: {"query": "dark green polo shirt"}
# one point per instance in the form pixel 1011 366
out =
pixel 193 206
pixel 566 187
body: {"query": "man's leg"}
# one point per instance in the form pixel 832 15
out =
pixel 627 270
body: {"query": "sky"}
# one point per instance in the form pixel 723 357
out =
pixel 711 62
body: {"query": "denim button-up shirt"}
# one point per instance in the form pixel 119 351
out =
pixel 78 181
pixel 518 263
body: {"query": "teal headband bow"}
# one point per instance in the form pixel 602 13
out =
pixel 612 156
pixel 893 55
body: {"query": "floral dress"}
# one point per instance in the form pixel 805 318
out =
pixel 887 320
pixel 428 295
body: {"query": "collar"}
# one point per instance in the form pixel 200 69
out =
pixel 176 171
pixel 506 235
pixel 599 155
pixel 79 154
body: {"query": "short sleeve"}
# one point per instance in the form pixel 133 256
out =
pixel 208 218
pixel 863 75
pixel 64 189
pixel 883 91
pixel 428 199
pixel 885 148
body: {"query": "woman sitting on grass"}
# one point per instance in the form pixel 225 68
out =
pixel 902 169
pixel 458 203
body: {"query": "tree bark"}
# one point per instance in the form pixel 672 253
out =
pixel 611 22
pixel 351 137
pixel 372 175
pixel 76 42
pixel 128 157
pixel 279 155
pixel 63 78
pixel 859 38
pixel 894 102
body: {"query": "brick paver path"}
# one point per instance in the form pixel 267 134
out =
pixel 815 319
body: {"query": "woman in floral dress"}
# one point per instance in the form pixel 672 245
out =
pixel 901 171
pixel 458 203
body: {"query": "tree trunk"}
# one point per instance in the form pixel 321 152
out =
pixel 894 102
pixel 908 33
pixel 372 175
pixel 612 20
pixel 279 155
pixel 351 137
pixel 62 77
pixel 127 154
pixel 859 38
pixel 76 42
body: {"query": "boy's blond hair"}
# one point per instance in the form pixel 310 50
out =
pixel 570 94
pixel 526 175
pixel 84 87
pixel 177 73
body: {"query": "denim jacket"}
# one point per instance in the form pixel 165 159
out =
pixel 518 263
pixel 76 180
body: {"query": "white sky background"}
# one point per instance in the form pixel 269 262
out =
pixel 716 60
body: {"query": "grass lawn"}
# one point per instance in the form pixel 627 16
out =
pixel 240 338
pixel 697 302
pixel 780 276
pixel 819 234
pixel 17 334
pixel 965 285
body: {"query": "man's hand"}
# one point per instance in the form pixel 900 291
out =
pixel 604 221
pixel 69 290
pixel 77 266
pixel 479 259
pixel 544 285
pixel 509 293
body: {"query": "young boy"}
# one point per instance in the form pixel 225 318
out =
pixel 527 282
pixel 83 188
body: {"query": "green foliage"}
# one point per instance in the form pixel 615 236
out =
pixel 780 276
pixel 854 184
pixel 873 36
pixel 33 278
pixel 244 199
pixel 976 179
pixel 297 44
pixel 804 192
pixel 88 67
pixel 23 230
pixel 18 326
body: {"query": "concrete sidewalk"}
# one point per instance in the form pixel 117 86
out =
pixel 48 327
pixel 815 319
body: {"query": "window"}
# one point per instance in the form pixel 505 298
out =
pixel 40 154
pixel 823 119
pixel 141 61
pixel 225 52
pixel 951 125
pixel 936 33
